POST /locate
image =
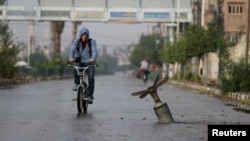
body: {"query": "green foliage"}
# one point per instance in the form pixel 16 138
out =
pixel 237 77
pixel 213 39
pixel 124 68
pixel 58 64
pixel 195 42
pixel 106 64
pixel 39 64
pixel 2 2
pixel 136 55
pixel 192 77
pixel 8 53
pixel 188 76
pixel 167 53
pixel 43 67
pixel 146 48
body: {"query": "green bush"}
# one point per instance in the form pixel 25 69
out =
pixel 239 78
pixel 188 76
pixel 8 53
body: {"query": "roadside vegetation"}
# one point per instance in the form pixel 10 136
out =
pixel 194 43
pixel 40 66
pixel 8 53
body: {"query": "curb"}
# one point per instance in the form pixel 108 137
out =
pixel 232 95
pixel 7 82
pixel 239 96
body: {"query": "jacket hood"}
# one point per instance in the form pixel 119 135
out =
pixel 83 30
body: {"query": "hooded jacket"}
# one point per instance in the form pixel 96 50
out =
pixel 83 52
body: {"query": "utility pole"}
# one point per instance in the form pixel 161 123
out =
pixel 178 18
pixel 202 13
pixel 247 36
pixel 205 59
pixel 31 39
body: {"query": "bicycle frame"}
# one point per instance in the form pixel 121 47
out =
pixel 143 76
pixel 81 73
pixel 82 92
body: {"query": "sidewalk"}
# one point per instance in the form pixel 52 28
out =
pixel 236 96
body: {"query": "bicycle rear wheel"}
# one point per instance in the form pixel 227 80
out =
pixel 80 100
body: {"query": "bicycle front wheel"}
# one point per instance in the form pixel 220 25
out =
pixel 80 100
pixel 85 101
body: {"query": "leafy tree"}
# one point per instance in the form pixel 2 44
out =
pixel 237 78
pixel 58 64
pixel 195 42
pixel 146 48
pixel 166 54
pixel 8 53
pixel 43 67
pixel 2 2
pixel 40 65
pixel 106 64
pixel 56 28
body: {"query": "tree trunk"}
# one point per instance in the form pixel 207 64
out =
pixel 74 31
pixel 56 28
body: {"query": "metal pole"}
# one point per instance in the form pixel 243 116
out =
pixel 202 13
pixel 247 36
pixel 178 16
pixel 31 40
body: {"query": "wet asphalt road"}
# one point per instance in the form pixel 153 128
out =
pixel 44 111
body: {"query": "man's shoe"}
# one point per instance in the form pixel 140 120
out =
pixel 90 99
pixel 74 88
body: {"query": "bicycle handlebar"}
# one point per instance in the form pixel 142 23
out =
pixel 83 69
pixel 86 65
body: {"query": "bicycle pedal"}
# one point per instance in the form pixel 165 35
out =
pixel 86 98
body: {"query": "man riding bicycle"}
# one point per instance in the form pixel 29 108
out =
pixel 84 51
pixel 144 68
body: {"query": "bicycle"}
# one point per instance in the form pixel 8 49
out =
pixel 82 89
pixel 144 76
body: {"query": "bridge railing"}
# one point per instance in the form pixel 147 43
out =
pixel 94 14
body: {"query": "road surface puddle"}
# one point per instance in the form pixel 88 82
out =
pixel 239 106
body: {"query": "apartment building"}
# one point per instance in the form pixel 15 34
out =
pixel 236 20
pixel 235 13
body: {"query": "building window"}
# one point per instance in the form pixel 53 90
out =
pixel 241 9
pixel 233 37
pixel 235 8
pixel 229 9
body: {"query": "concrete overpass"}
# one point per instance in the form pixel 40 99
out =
pixel 129 11
pixel 169 12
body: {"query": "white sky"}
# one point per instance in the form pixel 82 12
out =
pixel 105 34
